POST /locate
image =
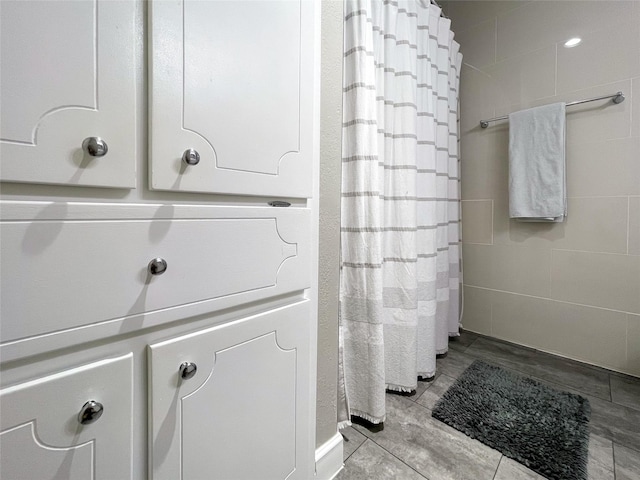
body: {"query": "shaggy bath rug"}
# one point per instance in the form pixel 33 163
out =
pixel 544 429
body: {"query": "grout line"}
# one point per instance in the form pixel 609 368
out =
pixel 551 271
pixel 358 448
pixel 472 342
pixel 555 80
pixel 495 46
pixel 610 390
pixel 626 340
pixel 588 251
pixel 499 462
pixel 597 197
pixel 632 114
pixel 553 299
pixel 491 314
pixel 398 458
pixel 628 222
pixel 613 452
pixel 515 366
pixel 492 214
pixel 583 363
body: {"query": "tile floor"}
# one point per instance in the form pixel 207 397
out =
pixel 415 446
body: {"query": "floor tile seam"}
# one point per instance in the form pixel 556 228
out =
pixel 589 457
pixel 471 343
pixel 579 363
pixel 498 467
pixel 357 448
pixel 522 372
pixel 440 375
pixel 392 392
pixel 355 427
pixel 555 385
pixel 449 377
pixel 431 383
pixel 613 453
pixel 637 409
pixel 627 376
pixel 610 390
pixel 399 459
pixel 553 355
pixel 628 447
pixel 634 407
pixel 430 410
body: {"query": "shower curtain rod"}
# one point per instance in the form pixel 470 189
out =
pixel 617 98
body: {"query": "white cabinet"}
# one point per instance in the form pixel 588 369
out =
pixel 40 431
pixel 67 75
pixel 235 82
pixel 244 414
pixel 96 270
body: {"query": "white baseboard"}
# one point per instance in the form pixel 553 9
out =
pixel 329 458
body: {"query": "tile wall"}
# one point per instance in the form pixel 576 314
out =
pixel 573 288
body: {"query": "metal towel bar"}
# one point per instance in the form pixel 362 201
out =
pixel 617 98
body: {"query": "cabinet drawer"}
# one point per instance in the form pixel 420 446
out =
pixel 241 411
pixel 58 275
pixel 41 435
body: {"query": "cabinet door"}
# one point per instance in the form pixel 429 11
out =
pixel 245 413
pixel 233 81
pixel 41 436
pixel 67 75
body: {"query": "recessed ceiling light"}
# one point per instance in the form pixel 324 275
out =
pixel 572 42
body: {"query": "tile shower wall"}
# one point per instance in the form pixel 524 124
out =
pixel 572 288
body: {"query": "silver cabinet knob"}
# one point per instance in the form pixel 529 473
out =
pixel 90 412
pixel 95 146
pixel 187 370
pixel 157 266
pixel 191 157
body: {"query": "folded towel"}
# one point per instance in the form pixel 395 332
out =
pixel 537 180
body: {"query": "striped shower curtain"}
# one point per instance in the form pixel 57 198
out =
pixel 399 293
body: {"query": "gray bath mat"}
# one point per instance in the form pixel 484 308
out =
pixel 544 429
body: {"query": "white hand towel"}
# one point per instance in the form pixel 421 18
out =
pixel 537 171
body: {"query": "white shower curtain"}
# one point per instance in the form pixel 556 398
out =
pixel 399 293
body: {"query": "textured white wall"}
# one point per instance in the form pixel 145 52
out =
pixel 330 167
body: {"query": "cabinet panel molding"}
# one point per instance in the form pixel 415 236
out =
pixel 248 399
pixel 86 272
pixel 63 81
pixel 243 98
pixel 23 453
pixel 41 437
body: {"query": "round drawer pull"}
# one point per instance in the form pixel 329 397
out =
pixel 157 266
pixel 191 157
pixel 90 412
pixel 188 370
pixel 95 146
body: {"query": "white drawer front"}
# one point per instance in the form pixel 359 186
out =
pixel 59 275
pixel 41 436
